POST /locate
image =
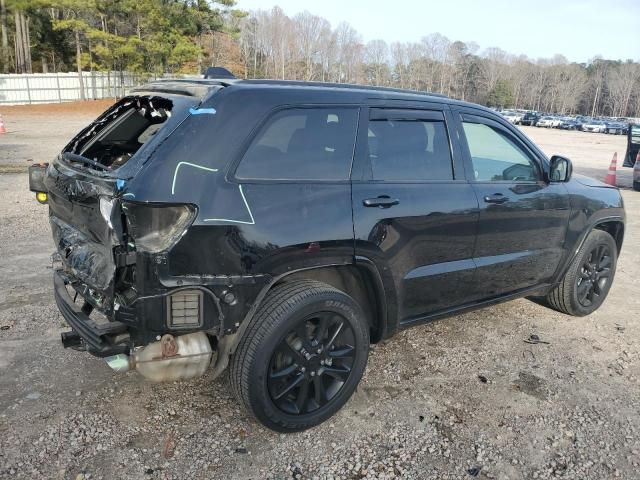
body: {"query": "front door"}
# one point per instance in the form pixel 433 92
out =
pixel 415 214
pixel 523 218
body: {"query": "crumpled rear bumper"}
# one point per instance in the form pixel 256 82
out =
pixel 96 337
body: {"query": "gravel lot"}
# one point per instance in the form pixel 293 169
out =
pixel 460 398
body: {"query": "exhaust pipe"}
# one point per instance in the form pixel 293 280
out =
pixel 170 359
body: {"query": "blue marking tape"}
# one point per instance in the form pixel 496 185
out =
pixel 202 111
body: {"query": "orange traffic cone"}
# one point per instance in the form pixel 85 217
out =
pixel 611 176
pixel 2 127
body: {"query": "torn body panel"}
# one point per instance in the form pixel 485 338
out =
pixel 85 223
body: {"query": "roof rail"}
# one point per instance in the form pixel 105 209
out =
pixel 342 85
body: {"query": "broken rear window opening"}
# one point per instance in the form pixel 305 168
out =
pixel 115 137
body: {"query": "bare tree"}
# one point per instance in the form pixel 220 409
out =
pixel 377 62
pixel 4 46
pixel 308 30
pixel 306 47
pixel 623 84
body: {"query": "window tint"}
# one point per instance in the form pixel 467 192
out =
pixel 495 156
pixel 409 150
pixel 303 143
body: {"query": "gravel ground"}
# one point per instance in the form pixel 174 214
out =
pixel 459 398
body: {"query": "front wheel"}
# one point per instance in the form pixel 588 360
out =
pixel 301 357
pixel 589 277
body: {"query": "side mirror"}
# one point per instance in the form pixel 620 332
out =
pixel 560 169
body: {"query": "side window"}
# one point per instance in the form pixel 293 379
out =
pixel 411 149
pixel 496 157
pixel 302 144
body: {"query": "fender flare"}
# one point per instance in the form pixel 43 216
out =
pixel 229 343
pixel 592 226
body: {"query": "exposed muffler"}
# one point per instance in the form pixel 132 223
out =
pixel 170 359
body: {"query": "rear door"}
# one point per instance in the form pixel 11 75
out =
pixel 633 145
pixel 415 214
pixel 523 218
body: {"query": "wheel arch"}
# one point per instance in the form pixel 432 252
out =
pixel 359 282
pixel 615 228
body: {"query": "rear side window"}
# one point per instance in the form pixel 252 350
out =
pixel 496 157
pixel 412 149
pixel 303 144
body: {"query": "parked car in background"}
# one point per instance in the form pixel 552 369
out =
pixel 511 117
pixel 594 126
pixel 578 123
pixel 546 121
pixel 616 128
pixel 556 121
pixel 529 118
pixel 568 124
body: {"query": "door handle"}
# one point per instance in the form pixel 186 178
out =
pixel 495 198
pixel 383 201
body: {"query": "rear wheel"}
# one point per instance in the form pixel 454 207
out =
pixel 588 280
pixel 301 357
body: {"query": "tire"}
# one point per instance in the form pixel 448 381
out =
pixel 278 349
pixel 636 186
pixel 567 297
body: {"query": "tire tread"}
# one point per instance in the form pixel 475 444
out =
pixel 559 298
pixel 279 301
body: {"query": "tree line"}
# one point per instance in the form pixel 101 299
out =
pixel 185 36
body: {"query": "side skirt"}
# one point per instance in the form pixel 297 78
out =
pixel 530 291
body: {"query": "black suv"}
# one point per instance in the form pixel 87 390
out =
pixel 529 118
pixel 280 228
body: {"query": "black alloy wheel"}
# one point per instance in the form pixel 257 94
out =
pixel 311 363
pixel 588 278
pixel 594 275
pixel 302 356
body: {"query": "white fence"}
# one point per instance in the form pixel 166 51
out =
pixel 16 89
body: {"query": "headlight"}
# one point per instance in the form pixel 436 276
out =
pixel 156 227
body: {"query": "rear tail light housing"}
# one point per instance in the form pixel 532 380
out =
pixel 156 228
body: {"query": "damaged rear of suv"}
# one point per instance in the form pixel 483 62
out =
pixel 279 228
pixel 112 248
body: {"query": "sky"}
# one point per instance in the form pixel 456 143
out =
pixel 577 29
